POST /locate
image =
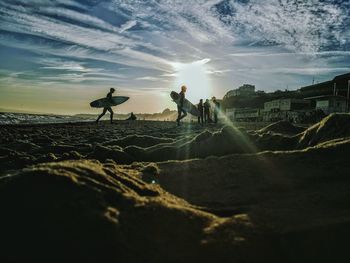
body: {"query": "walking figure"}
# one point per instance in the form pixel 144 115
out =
pixel 180 109
pixel 105 109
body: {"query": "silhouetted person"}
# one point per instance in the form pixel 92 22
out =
pixel 180 109
pixel 132 117
pixel 206 111
pixel 216 109
pixel 105 109
pixel 201 111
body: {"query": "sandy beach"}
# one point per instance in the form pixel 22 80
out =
pixel 153 192
pixel 174 131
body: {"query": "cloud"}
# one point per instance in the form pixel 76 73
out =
pixel 218 72
pixel 50 63
pixel 90 38
pixel 194 18
pixel 128 25
pixel 311 71
pixel 148 78
pixel 308 26
pixel 78 17
pixel 179 66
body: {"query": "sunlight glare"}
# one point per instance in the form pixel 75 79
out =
pixel 194 76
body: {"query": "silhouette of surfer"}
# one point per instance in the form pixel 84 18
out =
pixel 132 117
pixel 201 111
pixel 206 111
pixel 180 109
pixel 105 109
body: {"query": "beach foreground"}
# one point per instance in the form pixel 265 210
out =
pixel 153 192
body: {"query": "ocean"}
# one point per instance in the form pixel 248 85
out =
pixel 26 118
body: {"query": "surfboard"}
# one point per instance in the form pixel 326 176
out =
pixel 105 102
pixel 187 105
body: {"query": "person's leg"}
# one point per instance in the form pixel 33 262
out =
pixel 111 114
pixel 178 115
pixel 101 115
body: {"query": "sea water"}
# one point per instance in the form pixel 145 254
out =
pixel 25 118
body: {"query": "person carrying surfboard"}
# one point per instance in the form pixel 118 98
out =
pixel 180 109
pixel 105 109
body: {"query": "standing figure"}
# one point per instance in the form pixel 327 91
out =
pixel 216 109
pixel 105 109
pixel 206 111
pixel 180 109
pixel 201 112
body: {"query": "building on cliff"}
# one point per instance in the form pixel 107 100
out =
pixel 304 104
pixel 245 90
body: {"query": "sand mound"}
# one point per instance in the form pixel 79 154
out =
pixel 138 140
pixel 303 195
pixel 275 136
pixel 283 127
pixel 226 141
pixel 117 154
pixel 275 141
pixel 86 212
pixel 281 170
pixel 331 127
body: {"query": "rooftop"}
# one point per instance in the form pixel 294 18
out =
pixel 325 97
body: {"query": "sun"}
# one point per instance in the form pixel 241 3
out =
pixel 194 75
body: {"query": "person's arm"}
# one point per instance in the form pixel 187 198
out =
pixel 182 97
pixel 109 96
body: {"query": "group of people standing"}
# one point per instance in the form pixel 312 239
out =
pixel 203 108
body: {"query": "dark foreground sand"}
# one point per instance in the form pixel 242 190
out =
pixel 154 192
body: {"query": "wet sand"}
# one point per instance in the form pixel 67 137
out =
pixel 154 192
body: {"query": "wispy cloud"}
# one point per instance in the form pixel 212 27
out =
pixel 64 65
pixel 306 26
pixel 22 21
pixel 128 25
pixel 148 78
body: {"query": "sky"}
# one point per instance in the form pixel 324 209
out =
pixel 56 56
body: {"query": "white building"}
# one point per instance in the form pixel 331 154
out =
pixel 245 90
pixel 286 109
pixel 330 103
pixel 286 105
